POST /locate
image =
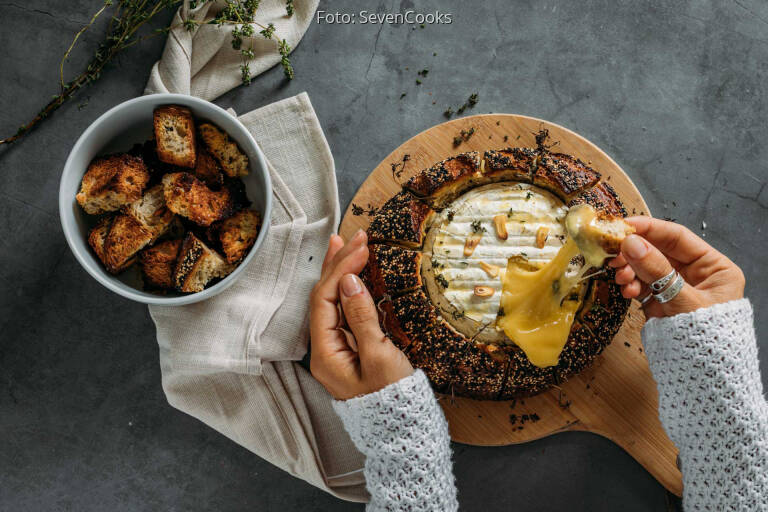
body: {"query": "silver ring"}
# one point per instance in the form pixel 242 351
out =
pixel 671 291
pixel 662 283
pixel 646 299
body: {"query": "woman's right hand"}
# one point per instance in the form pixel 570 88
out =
pixel 659 246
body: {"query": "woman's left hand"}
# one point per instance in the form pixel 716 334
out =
pixel 345 372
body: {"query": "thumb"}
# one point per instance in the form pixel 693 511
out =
pixel 361 315
pixel 646 260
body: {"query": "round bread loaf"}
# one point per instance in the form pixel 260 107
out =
pixel 421 269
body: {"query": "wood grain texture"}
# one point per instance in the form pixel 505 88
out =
pixel 615 398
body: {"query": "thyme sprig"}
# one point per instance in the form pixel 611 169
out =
pixel 129 17
pixel 241 14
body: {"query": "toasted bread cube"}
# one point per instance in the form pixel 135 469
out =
pixel 232 159
pixel 207 169
pixel 190 198
pixel 175 135
pixel 98 236
pixel 126 237
pixel 197 265
pixel 151 212
pixel 112 182
pixel 158 263
pixel 238 234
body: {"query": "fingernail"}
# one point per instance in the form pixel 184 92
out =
pixel 635 247
pixel 358 236
pixel 350 285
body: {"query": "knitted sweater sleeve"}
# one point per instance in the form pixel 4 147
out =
pixel 711 404
pixel 403 434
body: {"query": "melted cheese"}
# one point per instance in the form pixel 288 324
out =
pixel 539 306
pixel 581 224
pixel 527 208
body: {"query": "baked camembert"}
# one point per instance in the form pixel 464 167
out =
pixel 481 268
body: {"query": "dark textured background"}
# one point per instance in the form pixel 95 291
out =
pixel 674 91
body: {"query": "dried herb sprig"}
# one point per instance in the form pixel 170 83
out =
pixel 241 14
pixel 128 17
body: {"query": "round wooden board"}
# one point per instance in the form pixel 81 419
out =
pixel 617 397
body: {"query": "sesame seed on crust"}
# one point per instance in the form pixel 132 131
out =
pixel 444 173
pixel 564 175
pixel 402 220
pixel 392 270
pixel 603 197
pixel 510 164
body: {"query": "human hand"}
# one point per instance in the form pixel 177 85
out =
pixel 344 371
pixel 658 247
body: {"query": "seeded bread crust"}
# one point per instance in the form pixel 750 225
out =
pixel 111 183
pixel 225 150
pixel 446 180
pixel 197 265
pixel 564 175
pixel 456 362
pixel 175 135
pixel 402 220
pixel 392 270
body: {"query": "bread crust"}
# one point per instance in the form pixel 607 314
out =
pixel 112 182
pixel 510 164
pixel 157 264
pixel 174 129
pixel 190 198
pixel 125 239
pixel 238 233
pixel 564 175
pixel 207 169
pixel 446 180
pixel 401 220
pixel 603 198
pixel 197 265
pixel 392 270
pixel 226 151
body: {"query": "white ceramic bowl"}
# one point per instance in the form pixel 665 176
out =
pixel 117 130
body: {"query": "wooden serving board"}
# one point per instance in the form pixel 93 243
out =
pixel 617 397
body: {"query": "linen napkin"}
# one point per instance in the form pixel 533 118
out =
pixel 230 360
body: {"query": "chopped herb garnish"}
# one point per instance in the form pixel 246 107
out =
pixel 450 215
pixel 457 314
pixel 471 102
pixel 441 280
pixel 418 82
pixel 423 72
pixel 528 195
pixel 510 213
pixel 357 210
pixel 448 112
pixel 402 96
pixel 501 312
pixel 477 227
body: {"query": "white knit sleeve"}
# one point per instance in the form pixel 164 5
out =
pixel 711 404
pixel 403 434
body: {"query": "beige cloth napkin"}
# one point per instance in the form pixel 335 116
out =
pixel 230 360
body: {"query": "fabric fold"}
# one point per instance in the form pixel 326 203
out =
pixel 232 361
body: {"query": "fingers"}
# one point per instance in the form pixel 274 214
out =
pixel 360 312
pixel 334 245
pixel 358 239
pixel 647 262
pixel 673 240
pixel 324 315
pixel 632 290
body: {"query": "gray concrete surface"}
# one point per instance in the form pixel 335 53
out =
pixel 674 91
